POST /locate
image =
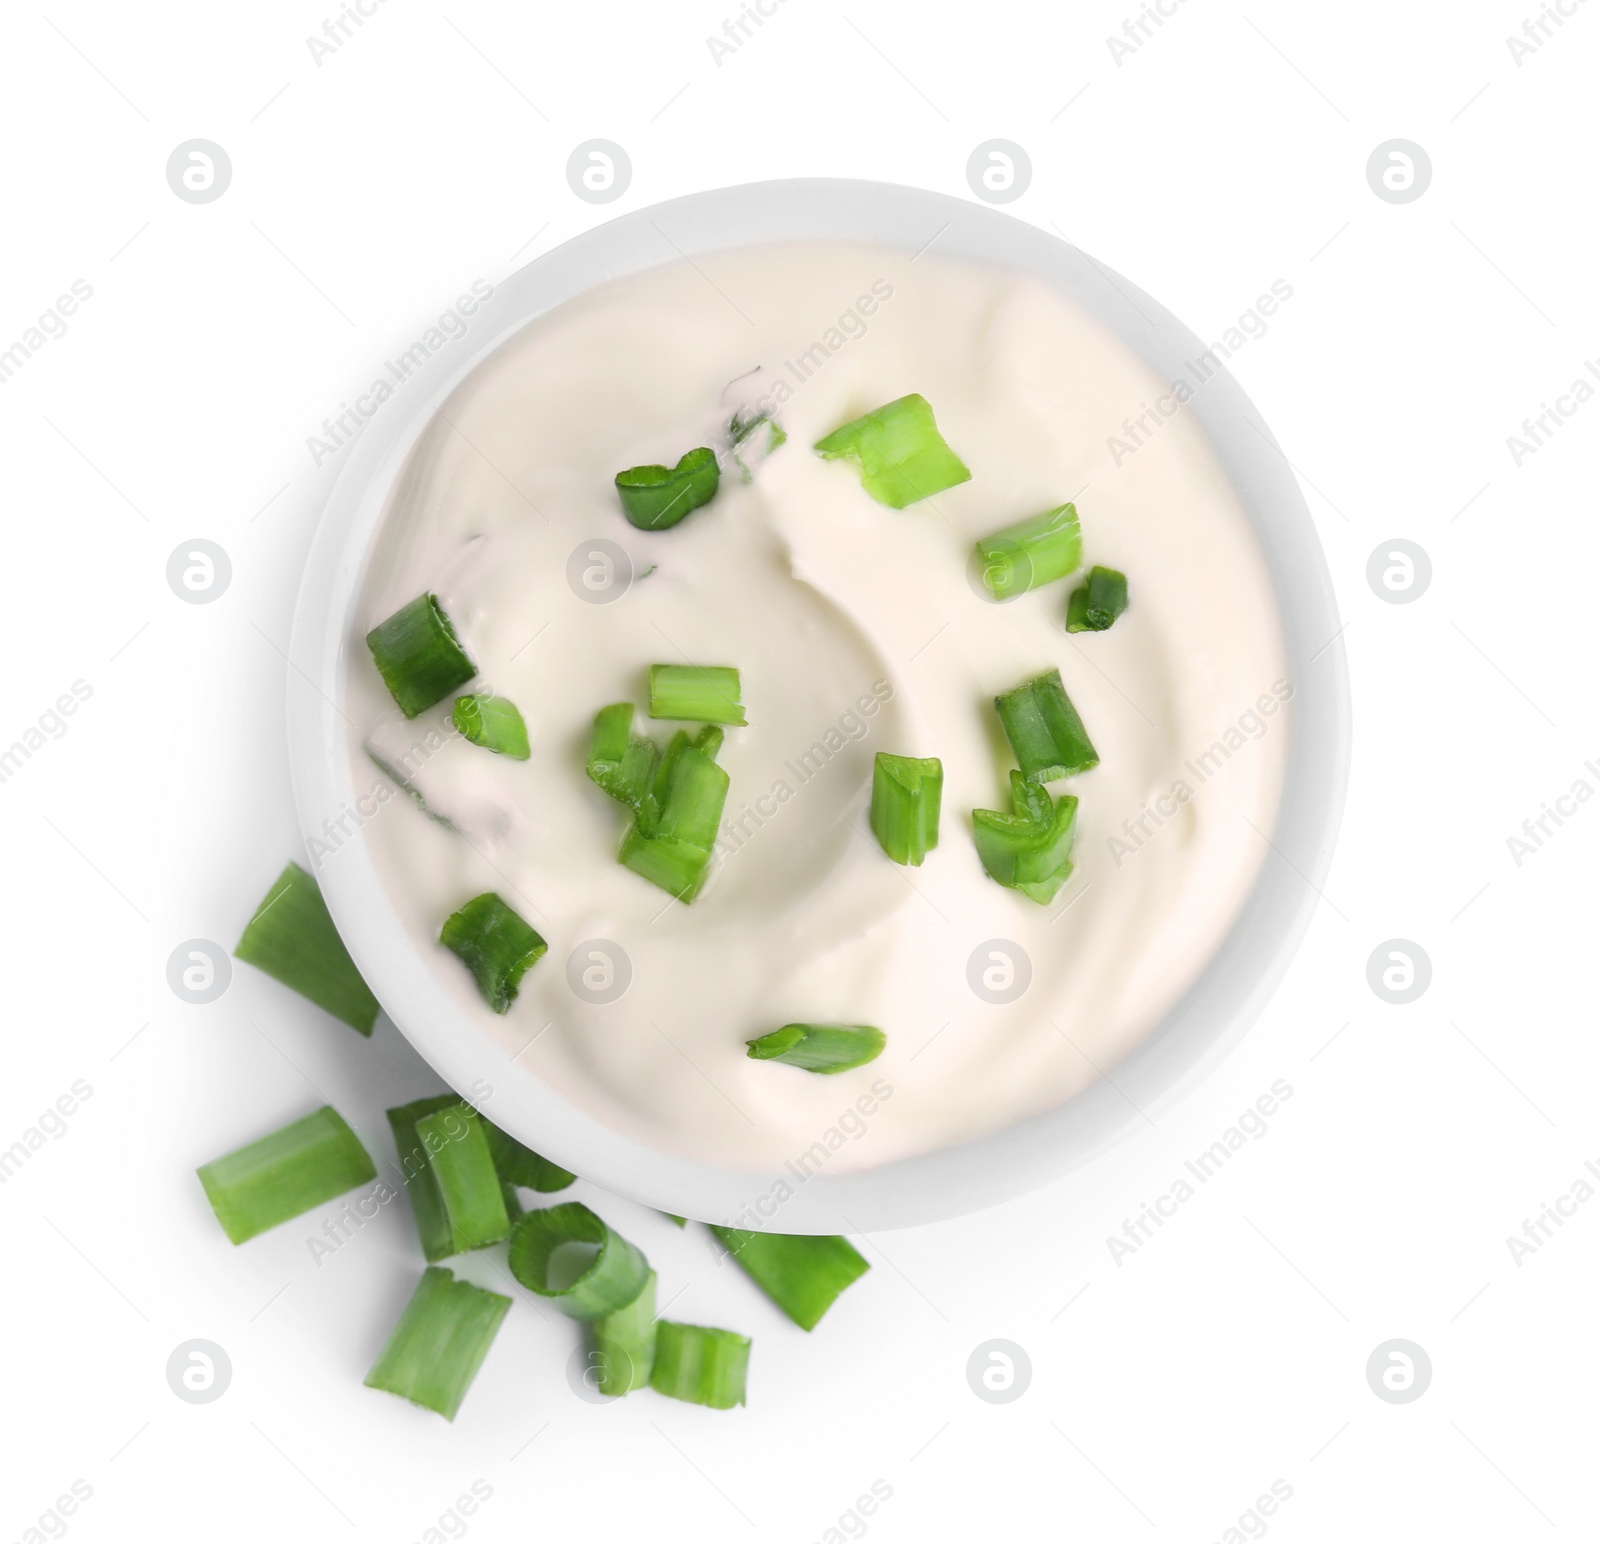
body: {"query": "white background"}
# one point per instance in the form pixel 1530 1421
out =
pixel 1168 1391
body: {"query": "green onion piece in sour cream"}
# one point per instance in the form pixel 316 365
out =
pixel 493 722
pixel 704 694
pixel 624 764
pixel 905 805
pixel 1030 849
pixel 679 868
pixel 434 1352
pixel 292 938
pixel 495 945
pixel 1031 553
pixel 568 1254
pixel 902 456
pixel 825 1048
pixel 751 440
pixel 1044 729
pixel 802 1273
pixel 282 1175
pixel 696 789
pixel 419 656
pixel 1098 602
pixel 623 1346
pixel 655 498
pixel 676 796
pixel 675 853
pixel 469 1186
pixel 699 1365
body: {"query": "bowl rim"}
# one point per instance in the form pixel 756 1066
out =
pixel 1195 1035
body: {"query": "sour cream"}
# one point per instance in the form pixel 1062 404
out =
pixel 856 629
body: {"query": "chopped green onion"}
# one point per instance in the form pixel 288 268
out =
pixel 1033 552
pixel 903 457
pixel 679 868
pixel 655 498
pixel 707 694
pixel 905 805
pixel 468 1184
pixel 492 722
pixel 802 1273
pixel 624 1346
pixel 292 938
pixel 691 809
pixel 676 1220
pixel 434 1352
pixel 624 764
pixel 310 1161
pixel 1096 604
pixel 676 796
pixel 419 656
pixel 495 944
pixel 611 1279
pixel 422 1185
pixel 699 1365
pixel 1030 849
pixel 1044 730
pixel 676 853
pixel 519 1165
pixel 1031 801
pixel 819 1047
pixel 743 431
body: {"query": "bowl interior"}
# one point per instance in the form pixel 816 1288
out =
pixel 1193 1037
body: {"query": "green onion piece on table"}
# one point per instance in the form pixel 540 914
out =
pixel 419 656
pixel 902 456
pixel 1098 602
pixel 822 1048
pixel 416 1167
pixel 1031 553
pixel 700 1366
pixel 676 1220
pixel 905 805
pixel 613 1272
pixel 292 938
pixel 464 1170
pixel 434 1352
pixel 283 1175
pixel 492 722
pixel 1044 730
pixel 802 1273
pixel 623 1348
pixel 1030 849
pixel 706 694
pixel 519 1165
pixel 495 944
pixel 655 498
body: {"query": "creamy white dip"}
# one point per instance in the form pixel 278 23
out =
pixel 856 628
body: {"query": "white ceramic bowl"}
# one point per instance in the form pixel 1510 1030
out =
pixel 1197 1033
